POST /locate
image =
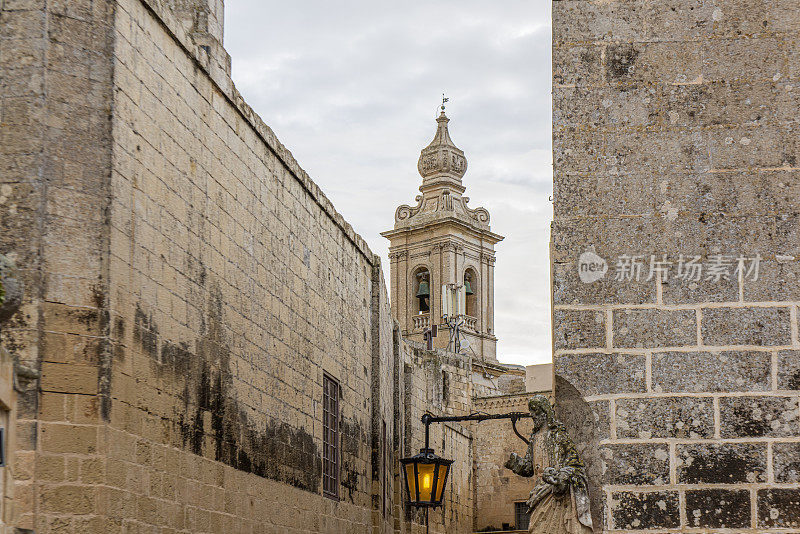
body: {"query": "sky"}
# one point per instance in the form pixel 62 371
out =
pixel 351 88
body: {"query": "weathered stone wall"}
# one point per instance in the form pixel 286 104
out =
pixel 675 136
pixel 55 154
pixel 11 291
pixel 497 488
pixel 234 287
pixel 440 383
pixel 187 286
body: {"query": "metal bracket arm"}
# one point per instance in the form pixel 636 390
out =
pixel 428 419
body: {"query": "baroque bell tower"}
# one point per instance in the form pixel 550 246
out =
pixel 443 241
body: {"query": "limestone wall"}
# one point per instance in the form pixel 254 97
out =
pixel 234 288
pixel 187 288
pixel 497 488
pixel 55 154
pixel 440 383
pixel 675 141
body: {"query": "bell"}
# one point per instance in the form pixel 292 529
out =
pixel 424 290
pixel 468 287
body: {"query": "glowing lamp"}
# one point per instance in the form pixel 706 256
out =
pixel 426 474
pixel 426 477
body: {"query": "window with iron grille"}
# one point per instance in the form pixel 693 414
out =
pixel 385 464
pixel 521 516
pixel 330 437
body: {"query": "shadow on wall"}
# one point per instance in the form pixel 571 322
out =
pixel 582 424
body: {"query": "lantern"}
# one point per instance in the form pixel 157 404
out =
pixel 426 477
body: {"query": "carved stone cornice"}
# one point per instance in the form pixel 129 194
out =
pixel 511 402
pixel 441 203
pixel 405 211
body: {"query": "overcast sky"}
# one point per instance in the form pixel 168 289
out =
pixel 352 87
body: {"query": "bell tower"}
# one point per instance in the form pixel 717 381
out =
pixel 442 241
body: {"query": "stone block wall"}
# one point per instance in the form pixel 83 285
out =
pixel 440 383
pixel 497 488
pixel 235 287
pixel 187 287
pixel 56 94
pixel 675 145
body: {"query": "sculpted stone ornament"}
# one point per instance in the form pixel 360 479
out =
pixel 559 504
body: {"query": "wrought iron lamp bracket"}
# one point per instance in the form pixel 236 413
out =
pixel 428 419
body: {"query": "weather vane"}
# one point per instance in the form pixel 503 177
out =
pixel 444 101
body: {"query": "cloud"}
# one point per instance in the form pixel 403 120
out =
pixel 351 88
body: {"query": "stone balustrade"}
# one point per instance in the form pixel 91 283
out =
pixel 422 321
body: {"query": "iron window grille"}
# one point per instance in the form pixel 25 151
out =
pixel 521 516
pixel 330 437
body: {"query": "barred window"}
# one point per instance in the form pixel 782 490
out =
pixel 330 437
pixel 385 466
pixel 521 516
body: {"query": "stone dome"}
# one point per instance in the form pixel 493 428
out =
pixel 441 157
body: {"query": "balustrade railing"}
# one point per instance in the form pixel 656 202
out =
pixel 422 321
pixel 470 323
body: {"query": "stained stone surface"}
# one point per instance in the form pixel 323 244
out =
pixel 746 326
pixel 779 508
pixel 635 464
pixel 786 462
pixel 683 372
pixel 634 510
pixel 601 416
pixel 778 279
pixel 789 369
pixel 654 328
pixel 665 417
pixel 759 416
pixel 725 463
pixel 676 291
pixel 598 373
pixel 10 288
pixel 718 508
pixel 568 289
pixel 578 328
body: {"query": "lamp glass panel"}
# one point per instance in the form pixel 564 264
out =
pixel 425 474
pixel 442 476
pixel 411 480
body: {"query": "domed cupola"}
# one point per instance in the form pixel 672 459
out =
pixel 442 162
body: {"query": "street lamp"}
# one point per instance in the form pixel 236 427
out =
pixel 426 473
pixel 426 478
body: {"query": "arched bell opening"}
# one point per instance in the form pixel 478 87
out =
pixel 471 293
pixel 422 291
